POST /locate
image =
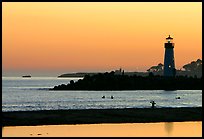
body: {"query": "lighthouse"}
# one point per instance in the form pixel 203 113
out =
pixel 169 61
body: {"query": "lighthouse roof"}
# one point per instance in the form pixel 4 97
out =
pixel 169 38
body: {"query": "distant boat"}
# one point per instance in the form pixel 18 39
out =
pixel 26 76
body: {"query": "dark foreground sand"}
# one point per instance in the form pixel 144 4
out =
pixel 92 116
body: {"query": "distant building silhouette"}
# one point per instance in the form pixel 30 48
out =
pixel 169 61
pixel 119 72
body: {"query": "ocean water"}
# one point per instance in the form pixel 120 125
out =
pixel 28 94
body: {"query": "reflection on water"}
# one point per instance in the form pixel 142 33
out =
pixel 19 94
pixel 170 129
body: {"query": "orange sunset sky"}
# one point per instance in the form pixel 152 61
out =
pixel 55 38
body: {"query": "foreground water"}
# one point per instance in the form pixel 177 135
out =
pixel 27 94
pixel 169 129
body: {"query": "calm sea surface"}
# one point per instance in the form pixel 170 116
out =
pixel 28 94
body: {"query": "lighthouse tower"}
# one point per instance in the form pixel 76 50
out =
pixel 169 65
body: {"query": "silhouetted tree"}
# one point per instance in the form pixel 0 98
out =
pixel 157 68
pixel 193 66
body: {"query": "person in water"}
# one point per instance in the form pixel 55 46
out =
pixel 153 103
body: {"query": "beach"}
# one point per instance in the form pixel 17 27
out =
pixel 97 116
pixel 162 129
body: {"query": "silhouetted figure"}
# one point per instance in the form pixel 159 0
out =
pixel 178 98
pixel 111 97
pixel 103 96
pixel 153 103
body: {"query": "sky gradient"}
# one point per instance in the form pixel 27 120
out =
pixel 55 38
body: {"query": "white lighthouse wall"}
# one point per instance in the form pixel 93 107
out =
pixel 169 63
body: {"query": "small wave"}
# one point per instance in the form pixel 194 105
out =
pixel 35 88
pixel 43 88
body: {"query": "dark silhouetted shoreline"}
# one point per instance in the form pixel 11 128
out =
pixel 94 116
pixel 110 81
